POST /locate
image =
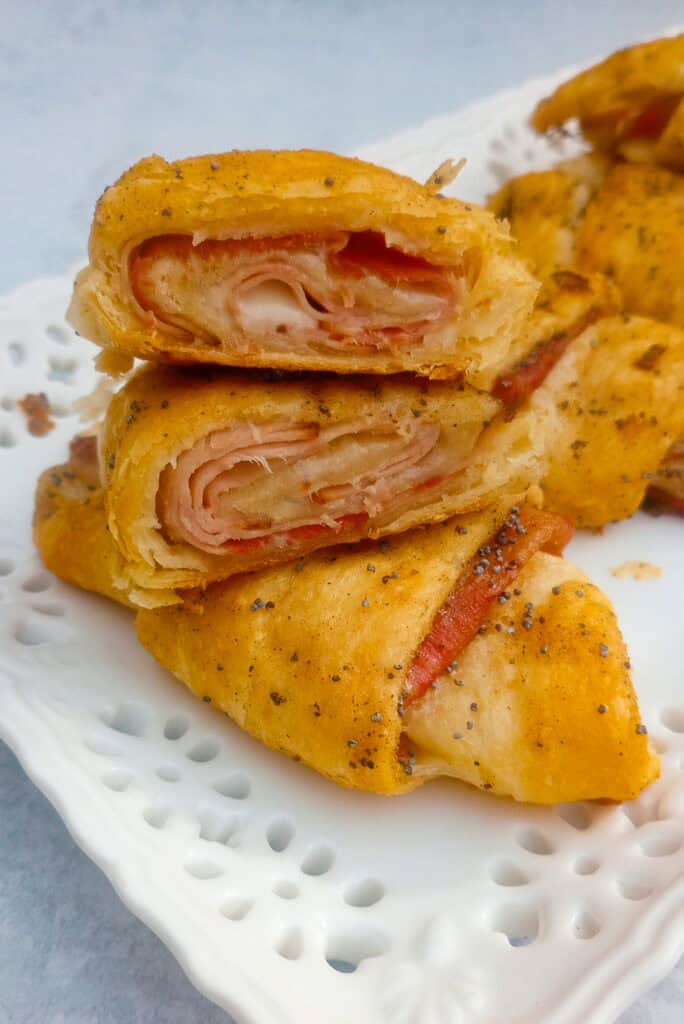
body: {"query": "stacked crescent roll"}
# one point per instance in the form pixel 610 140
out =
pixel 320 494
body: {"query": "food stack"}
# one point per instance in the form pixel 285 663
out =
pixel 330 492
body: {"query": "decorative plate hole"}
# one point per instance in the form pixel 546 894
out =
pixel 54 610
pixel 176 727
pixel 130 718
pixel 660 844
pixel 634 888
pixel 30 634
pixel 62 368
pixel 318 860
pixel 639 813
pixel 673 719
pixel 37 584
pixel 519 922
pixel 61 335
pixel 204 750
pixel 7 438
pixel 157 815
pixel 218 828
pixel 586 866
pixel 346 948
pixel 17 353
pixel 168 772
pixel 576 815
pixel 236 908
pixel 290 944
pixel 285 889
pixel 280 833
pixel 203 868
pixel 364 893
pixel 117 779
pixel 534 841
pixel 6 567
pixel 507 872
pixel 237 786
pixel 102 745
pixel 585 925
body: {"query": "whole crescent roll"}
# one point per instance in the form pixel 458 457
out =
pixel 384 665
pixel 631 104
pixel 296 260
pixel 209 473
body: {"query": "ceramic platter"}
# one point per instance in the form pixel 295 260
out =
pixel 285 899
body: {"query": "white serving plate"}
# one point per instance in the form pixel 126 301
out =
pixel 453 906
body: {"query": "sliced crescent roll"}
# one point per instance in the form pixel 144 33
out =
pixel 209 474
pixel 461 649
pixel 297 260
pixel 631 104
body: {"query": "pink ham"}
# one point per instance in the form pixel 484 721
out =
pixel 270 483
pixel 341 290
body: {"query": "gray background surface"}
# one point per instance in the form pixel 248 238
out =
pixel 87 88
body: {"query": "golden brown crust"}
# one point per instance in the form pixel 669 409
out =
pixel 610 410
pixel 633 231
pixel 312 659
pixel 162 412
pixel 271 193
pixel 633 77
pixel 70 532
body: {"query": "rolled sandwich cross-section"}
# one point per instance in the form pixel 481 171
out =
pixel 467 649
pixel 297 260
pixel 631 105
pixel 210 473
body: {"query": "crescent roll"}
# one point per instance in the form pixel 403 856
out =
pixel 631 104
pixel 296 261
pixel 210 473
pixel 515 681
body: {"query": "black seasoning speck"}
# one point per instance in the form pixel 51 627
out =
pixel 269 605
pixel 604 650
pixel 458 736
pixel 441 230
pixel 370 567
pixel 352 743
pixel 641 730
pixel 295 656
pixel 166 212
pixel 277 698
pixel 335 678
pixel 470 725
pixel 367 762
pixel 474 706
pixel 317 710
pixel 165 404
pixel 556 590
pixel 461 530
pixel 458 682
pixel 219 667
pixel 206 699
pixel 323 409
pixel 257 605
pixel 329 182
pixel 544 649
pixel 602 708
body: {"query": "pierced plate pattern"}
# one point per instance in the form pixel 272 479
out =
pixel 287 900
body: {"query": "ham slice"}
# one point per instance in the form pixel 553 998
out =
pixel 259 485
pixel 339 290
pixel 484 580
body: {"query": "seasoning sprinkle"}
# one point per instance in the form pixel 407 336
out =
pixel 329 182
pixel 602 708
pixel 277 698
pixel 544 649
pixel 556 590
pixel 458 736
pixel 377 717
pixel 641 730
pixel 336 678
pixel 352 743
pixel 604 650
pixel 206 698
pixel 370 567
pixel 166 212
pixel 470 725
pixel 295 656
pixel 474 706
